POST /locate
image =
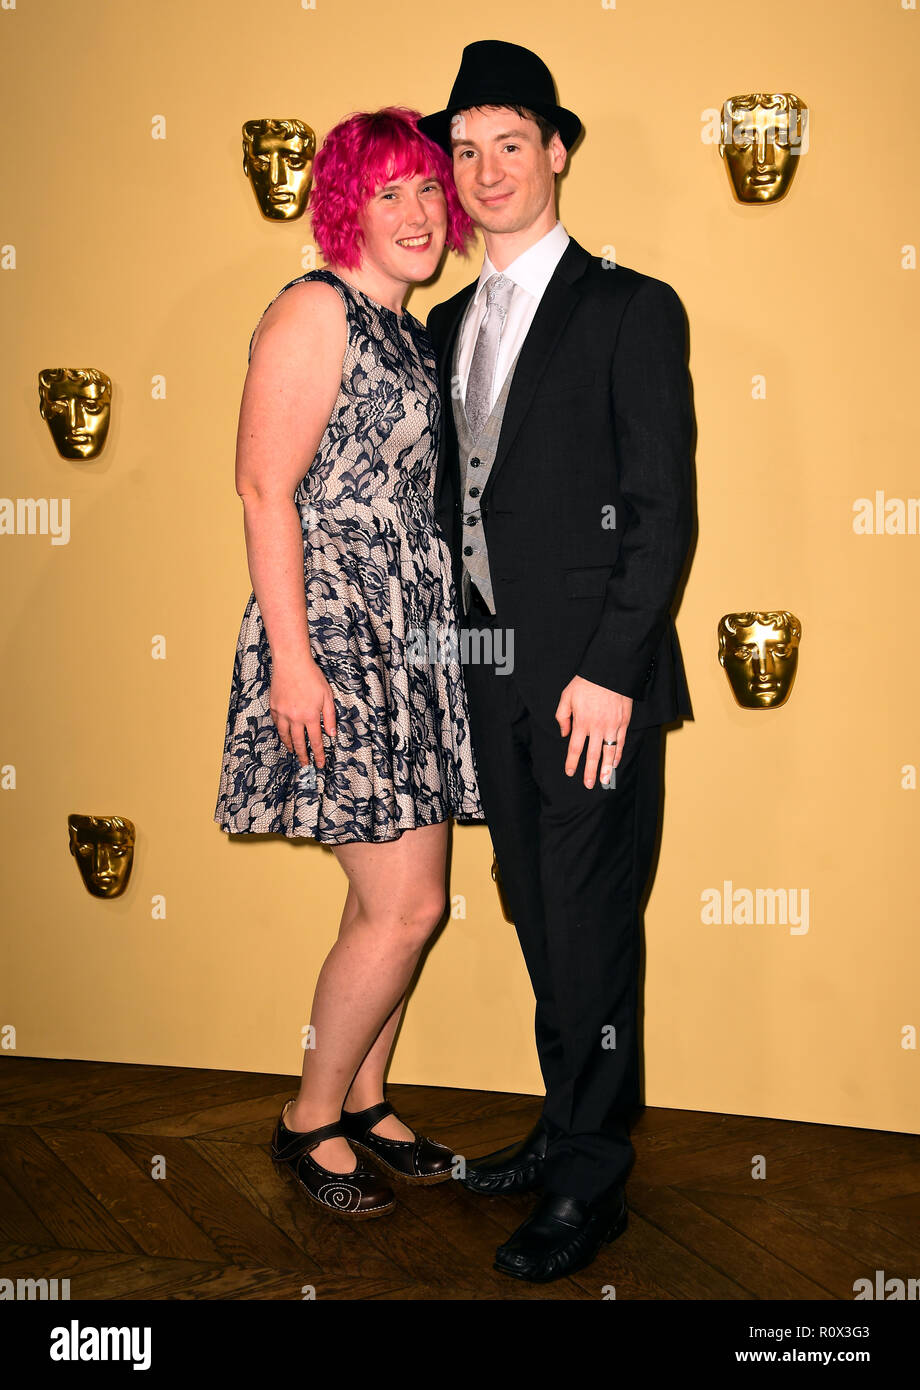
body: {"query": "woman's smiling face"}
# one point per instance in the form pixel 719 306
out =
pixel 404 226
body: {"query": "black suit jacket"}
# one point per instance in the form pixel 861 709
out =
pixel 598 415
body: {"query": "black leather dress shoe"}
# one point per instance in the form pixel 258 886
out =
pixel 517 1168
pixel 561 1235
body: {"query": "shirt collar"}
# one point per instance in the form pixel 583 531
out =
pixel 533 268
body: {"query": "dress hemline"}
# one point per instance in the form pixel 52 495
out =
pixel 461 818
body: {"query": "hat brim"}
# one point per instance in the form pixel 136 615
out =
pixel 437 126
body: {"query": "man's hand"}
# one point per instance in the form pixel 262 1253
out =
pixel 593 712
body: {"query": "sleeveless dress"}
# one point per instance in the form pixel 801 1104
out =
pixel 380 610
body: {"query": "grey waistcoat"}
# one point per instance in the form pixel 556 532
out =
pixel 482 447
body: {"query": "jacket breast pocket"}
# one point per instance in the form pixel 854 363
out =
pixel 587 582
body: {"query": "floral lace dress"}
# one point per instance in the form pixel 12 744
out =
pixel 381 614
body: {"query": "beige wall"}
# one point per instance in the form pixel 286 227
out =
pixel 146 257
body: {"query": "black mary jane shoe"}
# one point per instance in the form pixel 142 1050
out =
pixel 358 1195
pixel 417 1160
pixel 562 1235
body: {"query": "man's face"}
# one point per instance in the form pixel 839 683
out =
pixel 760 662
pixel 280 169
pixel 77 413
pixel 504 176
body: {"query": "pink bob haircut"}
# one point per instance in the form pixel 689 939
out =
pixel 364 151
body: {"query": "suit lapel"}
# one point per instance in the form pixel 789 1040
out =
pixel 448 428
pixel 558 300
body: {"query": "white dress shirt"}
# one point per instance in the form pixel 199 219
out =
pixel 531 272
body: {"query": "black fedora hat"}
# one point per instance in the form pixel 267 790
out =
pixel 493 73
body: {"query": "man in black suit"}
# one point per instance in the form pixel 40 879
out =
pixel 564 492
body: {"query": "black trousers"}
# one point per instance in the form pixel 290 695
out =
pixel 574 863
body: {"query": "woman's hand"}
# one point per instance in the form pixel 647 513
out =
pixel 300 696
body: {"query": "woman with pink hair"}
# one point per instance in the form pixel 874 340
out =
pixel 336 729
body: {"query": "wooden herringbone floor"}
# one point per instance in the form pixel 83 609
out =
pixel 80 1140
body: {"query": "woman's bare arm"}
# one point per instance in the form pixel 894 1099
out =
pixel 293 380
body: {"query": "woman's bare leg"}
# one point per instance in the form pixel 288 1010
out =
pixel 367 1087
pixel 395 900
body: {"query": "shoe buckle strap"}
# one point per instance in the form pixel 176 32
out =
pixel 303 1143
pixel 366 1119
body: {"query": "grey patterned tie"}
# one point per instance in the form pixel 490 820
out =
pixel 478 403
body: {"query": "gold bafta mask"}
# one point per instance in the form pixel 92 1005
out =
pixel 760 653
pixel 76 402
pixel 763 134
pixel 103 847
pixel 496 879
pixel 278 161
